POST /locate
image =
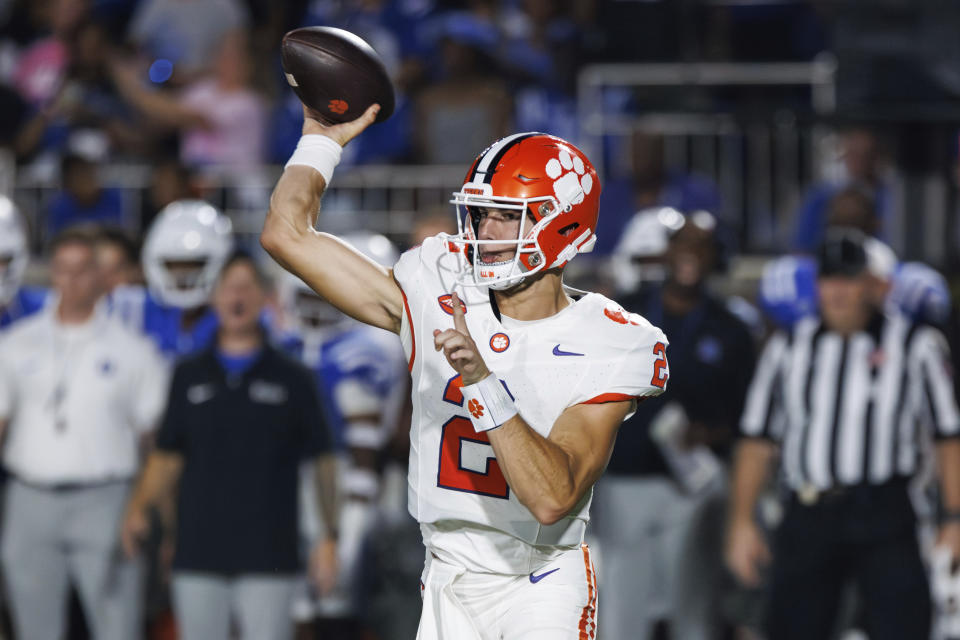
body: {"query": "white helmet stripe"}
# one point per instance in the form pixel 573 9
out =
pixel 493 155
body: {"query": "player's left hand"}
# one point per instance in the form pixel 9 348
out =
pixel 948 535
pixel 323 566
pixel 459 348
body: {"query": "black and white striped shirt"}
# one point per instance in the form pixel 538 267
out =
pixel 855 409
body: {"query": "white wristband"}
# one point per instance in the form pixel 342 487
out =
pixel 489 403
pixel 317 151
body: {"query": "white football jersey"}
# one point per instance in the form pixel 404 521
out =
pixel 592 351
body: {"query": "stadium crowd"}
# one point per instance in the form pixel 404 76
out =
pixel 137 512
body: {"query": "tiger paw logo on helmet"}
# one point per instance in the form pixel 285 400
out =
pixel 573 185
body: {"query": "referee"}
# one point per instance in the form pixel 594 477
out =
pixel 851 397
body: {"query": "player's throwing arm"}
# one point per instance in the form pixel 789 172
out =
pixel 349 280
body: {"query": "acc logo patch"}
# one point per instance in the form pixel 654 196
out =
pixel 499 342
pixel 447 305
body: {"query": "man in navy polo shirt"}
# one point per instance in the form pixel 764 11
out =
pixel 659 507
pixel 241 418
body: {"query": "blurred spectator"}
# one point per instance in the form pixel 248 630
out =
pixel 220 118
pixel 864 168
pixel 40 30
pixel 86 102
pixel 15 116
pixel 77 392
pixel 118 259
pixel 542 47
pixel 240 419
pixel 35 58
pixel 852 396
pixel 83 198
pixel 659 507
pixel 187 33
pixel 96 102
pixel 541 43
pixel 15 301
pixel 468 103
pixel 170 181
pixel 651 184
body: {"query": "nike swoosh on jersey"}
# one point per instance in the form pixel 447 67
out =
pixel 535 579
pixel 558 352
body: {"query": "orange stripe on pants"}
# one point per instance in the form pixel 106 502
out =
pixel 588 617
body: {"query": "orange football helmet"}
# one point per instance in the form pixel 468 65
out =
pixel 549 180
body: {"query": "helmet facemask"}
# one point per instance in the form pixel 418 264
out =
pixel 527 258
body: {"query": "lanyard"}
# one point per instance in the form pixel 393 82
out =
pixel 68 348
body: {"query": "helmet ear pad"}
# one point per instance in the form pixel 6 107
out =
pixel 553 238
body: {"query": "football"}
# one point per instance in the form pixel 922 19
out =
pixel 335 74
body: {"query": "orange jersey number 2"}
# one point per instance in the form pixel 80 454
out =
pixel 660 370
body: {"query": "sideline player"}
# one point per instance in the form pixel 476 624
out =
pixel 517 399
pixel 361 375
pixel 16 301
pixel 184 250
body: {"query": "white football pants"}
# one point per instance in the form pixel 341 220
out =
pixel 556 602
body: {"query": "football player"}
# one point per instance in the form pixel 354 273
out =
pixel 16 301
pixel 519 383
pixel 183 252
pixel 787 289
pixel 638 258
pixel 361 373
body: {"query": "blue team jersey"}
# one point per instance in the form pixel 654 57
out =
pixel 26 301
pixel 138 310
pixel 788 291
pixel 361 355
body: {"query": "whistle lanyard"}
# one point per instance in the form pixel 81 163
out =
pixel 68 347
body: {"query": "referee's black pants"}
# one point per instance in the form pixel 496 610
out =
pixel 865 533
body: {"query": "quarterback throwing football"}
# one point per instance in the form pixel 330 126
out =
pixel 519 383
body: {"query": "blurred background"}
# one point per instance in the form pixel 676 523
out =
pixel 776 117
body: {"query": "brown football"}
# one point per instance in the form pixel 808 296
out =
pixel 336 74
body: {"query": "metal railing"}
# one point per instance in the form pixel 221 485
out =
pixel 386 199
pixel 759 160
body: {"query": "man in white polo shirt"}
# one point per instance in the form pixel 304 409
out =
pixel 77 392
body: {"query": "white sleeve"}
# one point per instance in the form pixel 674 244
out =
pixel 150 386
pixel 415 272
pixel 410 270
pixel 638 369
